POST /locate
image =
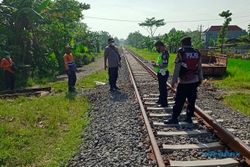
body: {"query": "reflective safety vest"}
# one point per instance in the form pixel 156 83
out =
pixel 162 60
pixel 69 61
pixel 189 58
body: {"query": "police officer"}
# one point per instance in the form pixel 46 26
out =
pixel 189 73
pixel 161 68
pixel 70 68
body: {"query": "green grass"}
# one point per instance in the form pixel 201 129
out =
pixel 89 81
pixel 237 84
pixel 239 101
pixel 152 56
pixel 238 75
pixel 44 131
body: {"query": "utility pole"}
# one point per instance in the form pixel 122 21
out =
pixel 200 29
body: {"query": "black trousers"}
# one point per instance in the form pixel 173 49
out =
pixel 113 75
pixel 185 91
pixel 71 80
pixel 162 80
pixel 9 80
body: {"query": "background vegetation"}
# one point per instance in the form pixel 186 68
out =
pixel 35 32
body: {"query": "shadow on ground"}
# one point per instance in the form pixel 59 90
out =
pixel 118 96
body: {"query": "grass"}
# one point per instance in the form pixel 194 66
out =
pixel 238 75
pixel 152 56
pixel 239 101
pixel 236 82
pixel 89 81
pixel 44 131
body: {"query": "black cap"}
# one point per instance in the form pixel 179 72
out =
pixel 110 40
pixel 159 43
pixel 186 41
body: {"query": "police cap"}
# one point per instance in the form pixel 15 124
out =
pixel 159 43
pixel 186 40
pixel 110 40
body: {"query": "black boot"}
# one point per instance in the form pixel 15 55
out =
pixel 188 120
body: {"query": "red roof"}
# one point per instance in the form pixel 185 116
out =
pixel 230 28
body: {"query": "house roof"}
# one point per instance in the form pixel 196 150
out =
pixel 218 28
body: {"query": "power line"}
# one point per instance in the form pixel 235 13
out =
pixel 110 19
pixel 176 21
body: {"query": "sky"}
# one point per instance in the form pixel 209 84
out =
pixel 179 14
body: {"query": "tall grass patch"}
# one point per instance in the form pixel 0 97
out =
pixel 237 76
pixel 45 131
pixel 239 102
pixel 40 131
pixel 237 84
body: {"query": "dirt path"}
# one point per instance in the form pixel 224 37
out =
pixel 97 65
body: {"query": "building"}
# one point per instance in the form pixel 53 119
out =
pixel 210 35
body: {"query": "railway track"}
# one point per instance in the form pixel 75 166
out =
pixel 203 143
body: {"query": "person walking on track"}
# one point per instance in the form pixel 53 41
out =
pixel 161 68
pixel 70 68
pixel 189 72
pixel 112 55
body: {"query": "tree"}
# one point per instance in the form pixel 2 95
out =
pixel 103 38
pixel 151 25
pixel 223 31
pixel 135 39
pixel 63 20
pixel 172 39
pixel 196 38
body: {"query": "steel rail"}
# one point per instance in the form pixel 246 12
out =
pixel 154 145
pixel 227 137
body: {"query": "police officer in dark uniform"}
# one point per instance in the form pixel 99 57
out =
pixel 188 75
pixel 161 68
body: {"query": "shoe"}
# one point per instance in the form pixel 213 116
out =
pixel 188 120
pixel 158 102
pixel 171 121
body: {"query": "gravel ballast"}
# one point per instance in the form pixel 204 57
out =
pixel 114 136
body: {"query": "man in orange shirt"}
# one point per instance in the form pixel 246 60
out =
pixel 9 72
pixel 70 68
